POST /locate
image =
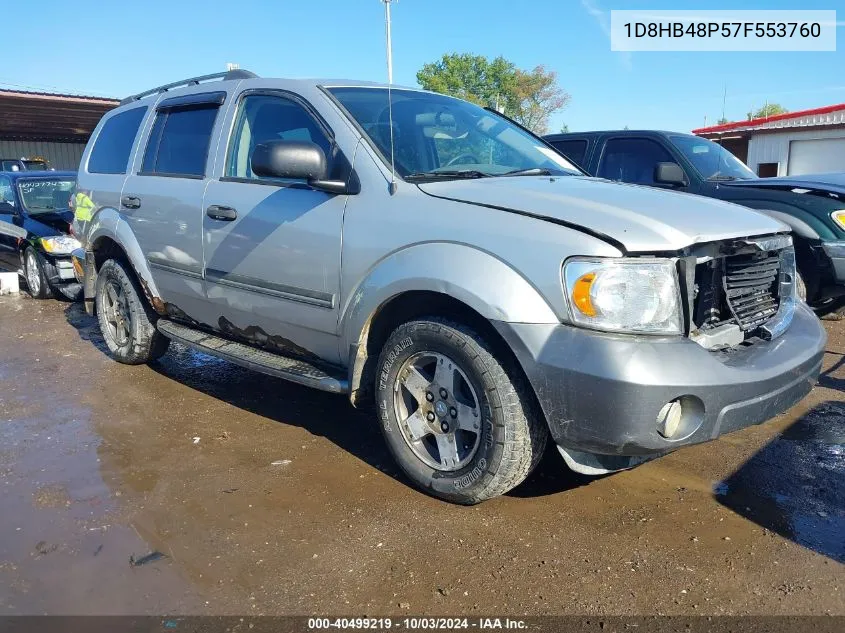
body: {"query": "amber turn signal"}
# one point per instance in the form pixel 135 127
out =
pixel 581 294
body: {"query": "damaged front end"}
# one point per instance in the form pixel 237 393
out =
pixel 748 349
pixel 739 290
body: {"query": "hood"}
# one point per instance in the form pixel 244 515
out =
pixel 641 219
pixel 834 182
pixel 49 223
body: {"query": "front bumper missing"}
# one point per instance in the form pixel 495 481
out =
pixel 602 393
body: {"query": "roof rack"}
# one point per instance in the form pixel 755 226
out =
pixel 193 81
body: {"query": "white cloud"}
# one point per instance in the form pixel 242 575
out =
pixel 602 18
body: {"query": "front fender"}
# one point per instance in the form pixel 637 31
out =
pixel 799 226
pixel 107 224
pixel 477 278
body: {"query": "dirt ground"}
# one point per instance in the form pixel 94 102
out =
pixel 192 486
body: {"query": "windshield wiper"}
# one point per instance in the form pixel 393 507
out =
pixel 453 173
pixel 720 178
pixel 531 171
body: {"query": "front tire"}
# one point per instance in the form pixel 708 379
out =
pixel 459 422
pixel 125 319
pixel 36 280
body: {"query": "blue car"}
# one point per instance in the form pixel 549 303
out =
pixel 35 240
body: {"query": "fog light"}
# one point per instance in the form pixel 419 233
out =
pixel 669 419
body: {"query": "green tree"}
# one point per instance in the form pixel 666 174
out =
pixel 564 129
pixel 770 109
pixel 527 96
pixel 722 121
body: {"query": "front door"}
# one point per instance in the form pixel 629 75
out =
pixel 272 256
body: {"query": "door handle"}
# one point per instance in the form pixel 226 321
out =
pixel 130 202
pixel 220 212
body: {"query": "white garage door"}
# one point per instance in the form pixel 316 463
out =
pixel 817 156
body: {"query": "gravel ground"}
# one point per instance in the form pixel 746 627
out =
pixel 192 486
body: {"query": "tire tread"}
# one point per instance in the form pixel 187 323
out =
pixel 148 343
pixel 525 436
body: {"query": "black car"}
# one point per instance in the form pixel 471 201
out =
pixel 35 219
pixel 813 207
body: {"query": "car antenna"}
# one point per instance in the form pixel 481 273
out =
pixel 393 186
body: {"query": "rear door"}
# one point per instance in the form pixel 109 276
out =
pixel 162 197
pixel 272 268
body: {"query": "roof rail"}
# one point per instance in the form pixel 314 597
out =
pixel 193 81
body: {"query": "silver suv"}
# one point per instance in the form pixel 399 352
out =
pixel 438 261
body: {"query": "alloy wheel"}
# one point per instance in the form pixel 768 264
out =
pixel 33 273
pixel 438 410
pixel 116 313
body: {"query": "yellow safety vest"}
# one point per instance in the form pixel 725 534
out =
pixel 84 208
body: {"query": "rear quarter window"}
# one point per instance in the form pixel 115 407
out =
pixel 110 154
pixel 575 150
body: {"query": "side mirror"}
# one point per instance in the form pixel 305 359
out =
pixel 298 160
pixel 7 207
pixel 670 174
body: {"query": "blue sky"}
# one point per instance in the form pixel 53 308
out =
pixel 114 49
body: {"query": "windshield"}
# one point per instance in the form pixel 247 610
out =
pixel 712 160
pixel 44 195
pixel 439 136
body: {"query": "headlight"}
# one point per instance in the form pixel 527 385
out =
pixel 624 295
pixel 839 218
pixel 60 245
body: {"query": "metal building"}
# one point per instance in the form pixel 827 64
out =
pixel 48 125
pixel 804 142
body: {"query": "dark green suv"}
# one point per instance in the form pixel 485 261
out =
pixel 812 206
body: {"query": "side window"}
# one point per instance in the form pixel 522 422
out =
pixel 632 160
pixel 574 150
pixel 110 154
pixel 6 193
pixel 178 144
pixel 263 118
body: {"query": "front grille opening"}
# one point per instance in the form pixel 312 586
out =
pixel 741 289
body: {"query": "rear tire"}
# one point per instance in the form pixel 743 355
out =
pixel 126 321
pixel 460 423
pixel 36 280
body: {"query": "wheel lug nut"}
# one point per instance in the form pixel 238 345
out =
pixel 429 396
pixel 443 393
pixel 444 427
pixel 453 412
pixel 430 416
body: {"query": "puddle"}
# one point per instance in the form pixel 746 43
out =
pixel 794 485
pixel 60 531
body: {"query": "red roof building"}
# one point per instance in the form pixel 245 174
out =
pixel 802 142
